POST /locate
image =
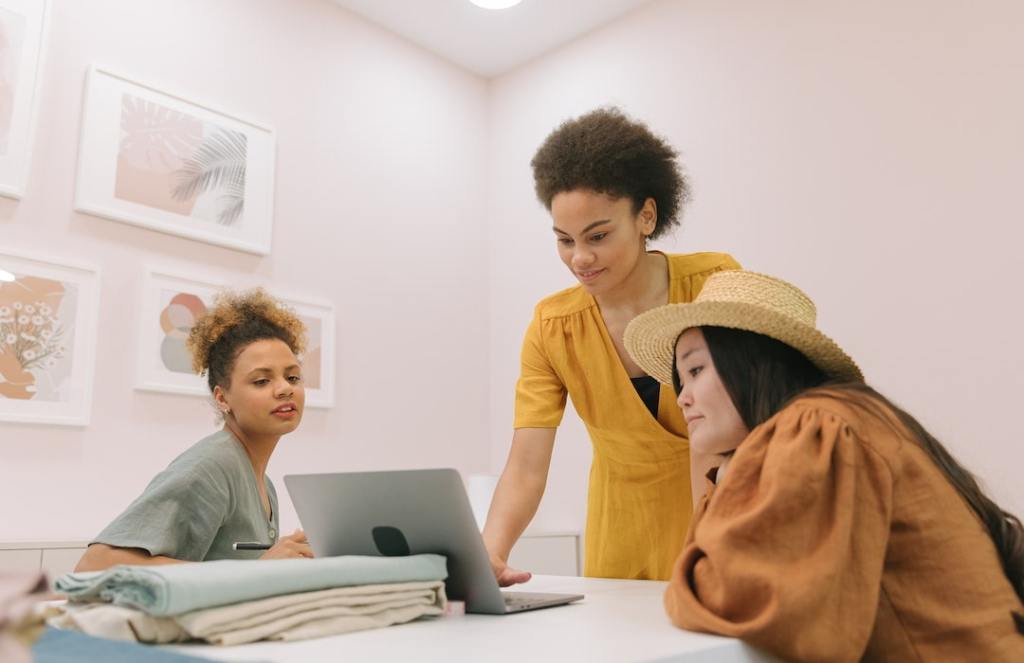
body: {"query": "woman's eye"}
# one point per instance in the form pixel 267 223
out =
pixel 261 382
pixel 598 237
pixel 564 241
pixel 695 371
pixel 294 379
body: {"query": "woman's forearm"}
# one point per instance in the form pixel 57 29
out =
pixel 100 556
pixel 519 489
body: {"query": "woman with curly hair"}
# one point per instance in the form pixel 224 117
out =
pixel 217 493
pixel 610 185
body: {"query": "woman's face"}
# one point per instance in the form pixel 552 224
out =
pixel 600 239
pixel 265 396
pixel 714 422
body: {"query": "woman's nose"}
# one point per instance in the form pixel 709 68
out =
pixel 582 258
pixel 685 398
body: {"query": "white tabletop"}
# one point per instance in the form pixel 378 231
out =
pixel 619 620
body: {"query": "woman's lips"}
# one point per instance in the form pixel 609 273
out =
pixel 589 275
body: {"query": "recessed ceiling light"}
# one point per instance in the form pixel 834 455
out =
pixel 6 276
pixel 495 4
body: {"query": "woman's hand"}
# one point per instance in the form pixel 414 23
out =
pixel 505 574
pixel 293 545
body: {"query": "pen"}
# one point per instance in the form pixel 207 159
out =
pixel 250 545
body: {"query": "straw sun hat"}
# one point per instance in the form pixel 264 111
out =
pixel 740 300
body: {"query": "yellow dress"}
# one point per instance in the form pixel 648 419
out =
pixel 639 504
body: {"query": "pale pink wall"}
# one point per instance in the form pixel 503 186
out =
pixel 872 152
pixel 379 201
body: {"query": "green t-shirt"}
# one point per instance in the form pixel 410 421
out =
pixel 205 501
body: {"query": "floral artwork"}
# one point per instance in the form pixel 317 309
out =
pixel 157 160
pixel 176 162
pixel 45 351
pixel 22 28
pixel 32 354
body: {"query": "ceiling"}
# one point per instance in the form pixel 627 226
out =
pixel 489 42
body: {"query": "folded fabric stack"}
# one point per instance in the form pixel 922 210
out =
pixel 235 601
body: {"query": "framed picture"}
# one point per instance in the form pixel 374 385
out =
pixel 318 359
pixel 159 161
pixel 22 32
pixel 171 304
pixel 48 316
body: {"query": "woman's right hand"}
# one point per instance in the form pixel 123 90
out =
pixel 293 545
pixel 505 574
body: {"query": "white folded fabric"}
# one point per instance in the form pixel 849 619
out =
pixel 285 617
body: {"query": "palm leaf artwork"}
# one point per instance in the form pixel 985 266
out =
pixel 219 162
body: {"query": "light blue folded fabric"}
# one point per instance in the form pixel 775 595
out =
pixel 172 589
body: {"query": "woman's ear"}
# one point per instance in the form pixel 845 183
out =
pixel 220 400
pixel 648 217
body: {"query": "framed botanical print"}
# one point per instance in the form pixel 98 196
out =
pixel 154 159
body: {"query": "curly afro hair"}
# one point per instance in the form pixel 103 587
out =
pixel 236 320
pixel 606 151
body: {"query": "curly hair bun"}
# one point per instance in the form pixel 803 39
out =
pixel 233 311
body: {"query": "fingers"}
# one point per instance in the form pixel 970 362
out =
pixel 510 576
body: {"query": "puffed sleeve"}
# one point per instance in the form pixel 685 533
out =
pixel 540 393
pixel 788 554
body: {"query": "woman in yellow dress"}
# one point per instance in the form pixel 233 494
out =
pixel 610 185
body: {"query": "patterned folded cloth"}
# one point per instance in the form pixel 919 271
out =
pixel 173 589
pixel 284 617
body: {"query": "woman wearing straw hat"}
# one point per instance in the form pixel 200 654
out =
pixel 611 186
pixel 837 528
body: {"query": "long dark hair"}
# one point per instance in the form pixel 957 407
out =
pixel 761 375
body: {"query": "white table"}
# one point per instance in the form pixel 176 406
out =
pixel 619 620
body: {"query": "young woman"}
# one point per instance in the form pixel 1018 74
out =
pixel 611 186
pixel 836 528
pixel 217 493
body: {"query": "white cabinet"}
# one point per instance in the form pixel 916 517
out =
pixel 54 557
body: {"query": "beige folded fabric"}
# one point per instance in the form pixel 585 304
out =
pixel 286 617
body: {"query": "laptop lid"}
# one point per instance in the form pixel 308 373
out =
pixel 399 513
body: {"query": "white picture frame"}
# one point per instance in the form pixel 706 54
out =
pixel 22 48
pixel 170 304
pixel 160 161
pixel 318 359
pixel 48 320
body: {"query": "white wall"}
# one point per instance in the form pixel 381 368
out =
pixel 379 200
pixel 872 152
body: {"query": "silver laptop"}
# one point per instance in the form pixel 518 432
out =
pixel 407 513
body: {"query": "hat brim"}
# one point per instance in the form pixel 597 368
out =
pixel 650 338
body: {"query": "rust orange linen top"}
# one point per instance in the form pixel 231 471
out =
pixel 639 501
pixel 833 536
